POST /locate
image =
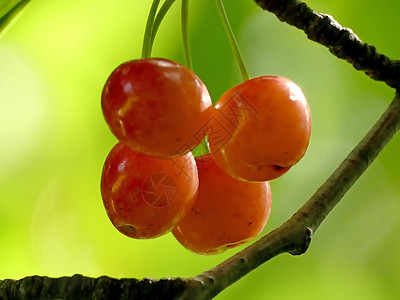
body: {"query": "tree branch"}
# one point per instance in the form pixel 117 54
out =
pixel 80 287
pixel 293 236
pixel 341 41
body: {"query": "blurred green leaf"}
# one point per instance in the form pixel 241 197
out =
pixel 9 10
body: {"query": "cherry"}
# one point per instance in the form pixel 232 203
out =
pixel 144 196
pixel 268 125
pixel 227 212
pixel 156 106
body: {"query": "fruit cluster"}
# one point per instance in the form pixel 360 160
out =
pixel 151 183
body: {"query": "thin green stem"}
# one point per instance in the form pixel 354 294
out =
pixel 146 48
pixel 10 12
pixel 185 35
pixel 232 40
pixel 160 16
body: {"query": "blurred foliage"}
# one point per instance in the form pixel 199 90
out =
pixel 53 64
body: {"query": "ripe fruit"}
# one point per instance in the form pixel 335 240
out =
pixel 145 197
pixel 227 212
pixel 156 106
pixel 269 125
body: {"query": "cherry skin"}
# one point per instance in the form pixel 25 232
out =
pixel 156 106
pixel 268 124
pixel 144 196
pixel 227 212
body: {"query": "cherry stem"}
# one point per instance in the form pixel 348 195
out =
pixel 157 21
pixel 232 40
pixel 146 48
pixel 185 35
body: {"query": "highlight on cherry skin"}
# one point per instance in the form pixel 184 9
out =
pixel 227 212
pixel 270 127
pixel 144 196
pixel 156 106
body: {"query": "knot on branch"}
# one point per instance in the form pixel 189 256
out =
pixel 340 41
pixel 301 246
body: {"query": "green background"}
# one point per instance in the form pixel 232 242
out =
pixel 54 61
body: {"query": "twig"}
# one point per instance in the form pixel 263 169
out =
pixel 341 41
pixel 86 288
pixel 294 235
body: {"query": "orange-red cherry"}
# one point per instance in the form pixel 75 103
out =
pixel 144 196
pixel 267 125
pixel 227 212
pixel 156 106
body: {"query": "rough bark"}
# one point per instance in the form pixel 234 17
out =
pixel 341 41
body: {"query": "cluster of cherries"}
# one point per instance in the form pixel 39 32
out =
pixel 151 183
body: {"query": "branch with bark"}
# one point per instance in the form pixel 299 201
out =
pixel 293 236
pixel 341 41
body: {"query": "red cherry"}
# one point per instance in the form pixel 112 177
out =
pixel 267 125
pixel 144 196
pixel 156 106
pixel 227 212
